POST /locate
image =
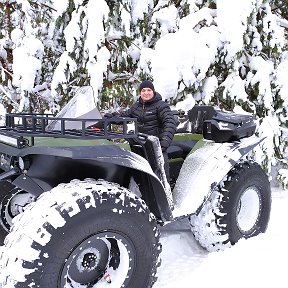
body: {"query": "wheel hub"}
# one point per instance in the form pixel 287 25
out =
pixel 249 209
pixel 89 261
pixel 99 258
pixel 13 204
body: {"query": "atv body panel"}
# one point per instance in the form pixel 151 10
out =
pixel 211 162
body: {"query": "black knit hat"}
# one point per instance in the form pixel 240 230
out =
pixel 146 84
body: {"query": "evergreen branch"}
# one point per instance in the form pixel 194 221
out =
pixel 6 71
pixel 8 96
pixel 121 76
pixel 282 22
pixel 43 5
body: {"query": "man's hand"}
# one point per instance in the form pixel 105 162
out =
pixel 97 126
pixel 108 115
pixel 164 144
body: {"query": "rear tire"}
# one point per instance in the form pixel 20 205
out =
pixel 77 234
pixel 13 201
pixel 5 188
pixel 238 208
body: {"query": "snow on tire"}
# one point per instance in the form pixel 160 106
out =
pixel 82 234
pixel 239 207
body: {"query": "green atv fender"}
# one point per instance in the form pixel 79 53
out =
pixel 203 170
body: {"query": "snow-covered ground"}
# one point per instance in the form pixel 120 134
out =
pixel 257 262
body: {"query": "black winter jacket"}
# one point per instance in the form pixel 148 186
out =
pixel 154 117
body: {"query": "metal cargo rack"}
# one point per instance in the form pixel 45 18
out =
pixel 21 125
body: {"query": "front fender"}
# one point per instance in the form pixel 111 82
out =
pixel 204 169
pixel 53 165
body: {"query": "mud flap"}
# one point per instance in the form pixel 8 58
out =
pixel 204 169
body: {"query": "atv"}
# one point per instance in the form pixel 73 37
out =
pixel 82 204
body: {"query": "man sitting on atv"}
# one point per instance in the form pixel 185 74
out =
pixel 154 117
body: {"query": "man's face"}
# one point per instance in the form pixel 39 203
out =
pixel 146 94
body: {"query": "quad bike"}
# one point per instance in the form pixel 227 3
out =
pixel 81 206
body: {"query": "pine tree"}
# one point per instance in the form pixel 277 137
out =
pixel 103 47
pixel 24 37
pixel 109 44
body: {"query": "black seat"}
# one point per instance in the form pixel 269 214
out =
pixel 180 148
pixel 174 152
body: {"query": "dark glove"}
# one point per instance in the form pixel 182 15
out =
pixel 111 115
pixel 96 126
pixel 108 115
pixel 100 125
pixel 164 144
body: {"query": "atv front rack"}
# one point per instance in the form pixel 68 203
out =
pixel 21 125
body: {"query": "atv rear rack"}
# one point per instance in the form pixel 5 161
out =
pixel 21 125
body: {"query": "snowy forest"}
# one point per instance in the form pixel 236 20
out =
pixel 228 53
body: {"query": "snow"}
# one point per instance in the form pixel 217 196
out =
pixel 193 48
pixel 256 262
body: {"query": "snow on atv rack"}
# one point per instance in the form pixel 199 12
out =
pixel 21 125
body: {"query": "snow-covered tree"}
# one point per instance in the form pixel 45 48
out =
pixel 230 53
pixel 26 53
pixel 103 44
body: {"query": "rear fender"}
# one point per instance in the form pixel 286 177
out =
pixel 204 169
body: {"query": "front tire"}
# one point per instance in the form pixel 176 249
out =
pixel 238 208
pixel 82 234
